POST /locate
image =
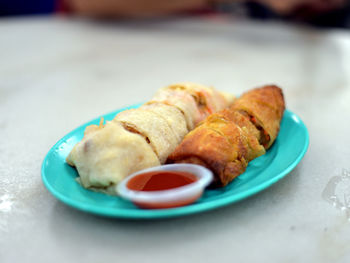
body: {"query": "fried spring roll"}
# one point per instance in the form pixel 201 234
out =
pixel 265 107
pixel 226 141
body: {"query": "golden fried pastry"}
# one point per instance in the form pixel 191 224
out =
pixel 218 145
pixel 265 107
pixel 227 140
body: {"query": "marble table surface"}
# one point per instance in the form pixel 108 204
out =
pixel 57 73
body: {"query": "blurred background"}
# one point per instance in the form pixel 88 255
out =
pixel 321 13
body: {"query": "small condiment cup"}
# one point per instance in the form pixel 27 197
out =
pixel 169 198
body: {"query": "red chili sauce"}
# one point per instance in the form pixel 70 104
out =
pixel 160 180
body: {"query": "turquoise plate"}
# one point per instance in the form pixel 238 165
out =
pixel 287 151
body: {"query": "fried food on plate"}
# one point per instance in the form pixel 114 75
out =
pixel 227 140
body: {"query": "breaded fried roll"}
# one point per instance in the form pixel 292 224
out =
pixel 265 107
pixel 227 140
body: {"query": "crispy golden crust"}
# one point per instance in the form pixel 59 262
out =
pixel 226 141
pixel 265 106
pixel 205 145
pixel 221 145
pixel 241 120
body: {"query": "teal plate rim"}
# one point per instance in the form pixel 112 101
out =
pixel 52 158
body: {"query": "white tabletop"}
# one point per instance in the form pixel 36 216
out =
pixel 56 74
